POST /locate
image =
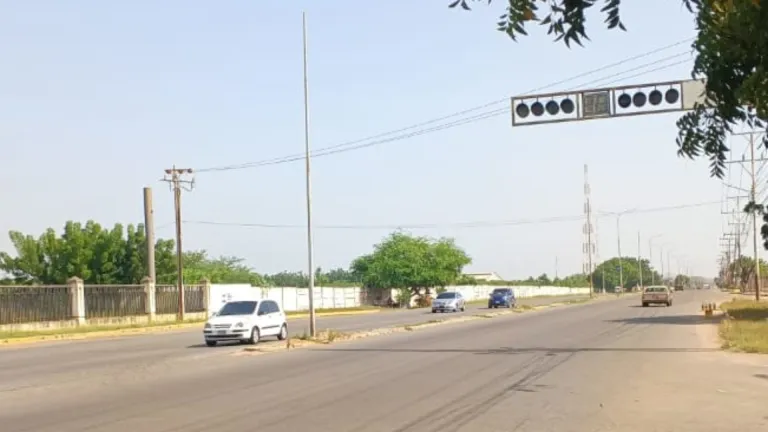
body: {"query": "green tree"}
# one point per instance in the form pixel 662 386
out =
pixel 114 256
pixel 403 261
pixel 743 268
pixel 731 54
pixel 96 255
pixel 608 274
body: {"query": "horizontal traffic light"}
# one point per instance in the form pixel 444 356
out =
pixel 651 98
pixel 552 107
pixel 671 96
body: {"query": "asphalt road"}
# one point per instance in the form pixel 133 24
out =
pixel 41 363
pixel 604 366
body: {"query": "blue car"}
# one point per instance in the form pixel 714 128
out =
pixel 502 297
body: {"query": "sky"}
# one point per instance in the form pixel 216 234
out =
pixel 98 98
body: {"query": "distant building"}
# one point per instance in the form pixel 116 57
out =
pixel 492 276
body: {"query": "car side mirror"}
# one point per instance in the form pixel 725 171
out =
pixel 260 313
pixel 213 314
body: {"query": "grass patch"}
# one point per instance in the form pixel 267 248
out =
pixel 17 334
pixel 746 330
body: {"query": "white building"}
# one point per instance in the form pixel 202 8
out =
pixel 492 276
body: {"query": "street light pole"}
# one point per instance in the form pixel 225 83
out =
pixel 310 245
pixel 618 243
pixel 639 261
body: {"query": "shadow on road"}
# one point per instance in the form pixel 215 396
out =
pixel 762 376
pixel 532 350
pixel 669 319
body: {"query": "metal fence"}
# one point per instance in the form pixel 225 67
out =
pixel 167 299
pixel 105 301
pixel 23 304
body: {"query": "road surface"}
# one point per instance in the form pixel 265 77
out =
pixel 605 366
pixel 24 366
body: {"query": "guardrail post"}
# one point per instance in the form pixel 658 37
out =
pixel 150 302
pixel 206 283
pixel 77 299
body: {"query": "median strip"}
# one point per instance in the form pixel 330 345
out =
pixel 331 336
pixel 103 332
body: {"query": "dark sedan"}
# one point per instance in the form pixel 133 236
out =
pixel 502 297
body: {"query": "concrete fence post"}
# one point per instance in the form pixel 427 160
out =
pixel 206 283
pixel 77 299
pixel 150 297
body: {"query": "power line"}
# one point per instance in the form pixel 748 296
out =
pixel 461 225
pixel 379 139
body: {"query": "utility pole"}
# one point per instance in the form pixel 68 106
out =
pixel 310 245
pixel 639 262
pixel 753 194
pixel 753 199
pixel 618 242
pixel 149 231
pixel 556 268
pixel 175 178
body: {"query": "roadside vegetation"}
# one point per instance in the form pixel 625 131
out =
pixel 746 326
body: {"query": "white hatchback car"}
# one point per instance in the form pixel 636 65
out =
pixel 246 321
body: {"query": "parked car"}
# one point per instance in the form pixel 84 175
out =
pixel 246 321
pixel 448 301
pixel 502 297
pixel 658 294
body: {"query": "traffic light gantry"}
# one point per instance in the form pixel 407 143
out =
pixel 608 102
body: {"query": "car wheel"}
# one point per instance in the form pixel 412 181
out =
pixel 283 332
pixel 255 336
pixel 645 304
pixel 490 306
pixel 210 343
pixel 434 310
pixel 463 308
pixel 669 304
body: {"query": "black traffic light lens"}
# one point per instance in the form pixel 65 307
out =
pixel 522 110
pixel 553 108
pixel 671 96
pixel 639 99
pixel 567 106
pixel 655 97
pixel 625 100
pixel 537 108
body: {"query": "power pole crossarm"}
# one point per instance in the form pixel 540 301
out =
pixel 175 178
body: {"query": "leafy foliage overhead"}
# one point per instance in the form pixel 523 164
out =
pixel 407 262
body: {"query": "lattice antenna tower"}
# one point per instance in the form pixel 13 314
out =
pixel 589 247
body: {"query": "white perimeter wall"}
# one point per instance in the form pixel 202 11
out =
pixel 296 299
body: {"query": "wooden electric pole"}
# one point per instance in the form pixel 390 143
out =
pixel 174 177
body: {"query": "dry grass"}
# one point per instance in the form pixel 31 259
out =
pixel 61 333
pixel 746 329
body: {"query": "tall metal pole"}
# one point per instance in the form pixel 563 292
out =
pixel 618 241
pixel 310 245
pixel 650 261
pixel 639 262
pixel 149 231
pixel 754 216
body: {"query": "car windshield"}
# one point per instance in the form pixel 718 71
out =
pixel 659 289
pixel 238 308
pixel 449 295
pixel 501 291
